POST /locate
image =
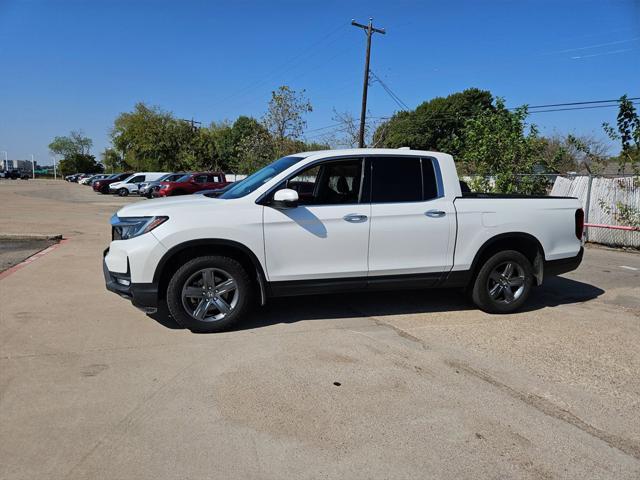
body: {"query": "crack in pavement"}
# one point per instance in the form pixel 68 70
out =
pixel 548 408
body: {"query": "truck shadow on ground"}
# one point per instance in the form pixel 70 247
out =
pixel 555 291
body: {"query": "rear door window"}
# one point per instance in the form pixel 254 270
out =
pixel 396 180
pixel 200 179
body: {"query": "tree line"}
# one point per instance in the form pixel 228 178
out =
pixel 490 142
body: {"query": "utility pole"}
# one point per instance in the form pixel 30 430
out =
pixel 192 122
pixel 370 30
pixel 33 167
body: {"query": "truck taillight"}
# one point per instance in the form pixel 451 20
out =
pixel 579 223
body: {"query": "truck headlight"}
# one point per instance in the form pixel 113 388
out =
pixel 123 228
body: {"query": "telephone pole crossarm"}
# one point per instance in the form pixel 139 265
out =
pixel 370 30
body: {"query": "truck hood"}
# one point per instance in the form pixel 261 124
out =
pixel 168 206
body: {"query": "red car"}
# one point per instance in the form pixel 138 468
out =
pixel 191 183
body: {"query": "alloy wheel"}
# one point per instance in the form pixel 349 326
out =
pixel 506 282
pixel 210 294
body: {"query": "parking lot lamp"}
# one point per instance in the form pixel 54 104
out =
pixel 6 160
pixel 33 167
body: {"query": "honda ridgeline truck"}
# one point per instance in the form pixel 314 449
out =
pixel 337 221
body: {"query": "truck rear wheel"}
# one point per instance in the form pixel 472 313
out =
pixel 209 294
pixel 503 282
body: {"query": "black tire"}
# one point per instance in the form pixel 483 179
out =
pixel 491 289
pixel 123 192
pixel 234 270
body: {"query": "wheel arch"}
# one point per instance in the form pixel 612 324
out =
pixel 522 242
pixel 179 254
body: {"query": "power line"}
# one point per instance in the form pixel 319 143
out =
pixel 391 93
pixel 579 103
pixel 577 108
pixel 443 116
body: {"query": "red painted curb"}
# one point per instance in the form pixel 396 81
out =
pixel 32 259
pixel 612 227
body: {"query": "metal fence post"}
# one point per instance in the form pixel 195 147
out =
pixel 587 207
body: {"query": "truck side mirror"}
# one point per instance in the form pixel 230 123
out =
pixel 285 198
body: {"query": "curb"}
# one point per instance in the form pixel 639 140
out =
pixel 29 236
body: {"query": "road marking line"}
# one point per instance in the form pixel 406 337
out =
pixel 31 259
pixel 628 268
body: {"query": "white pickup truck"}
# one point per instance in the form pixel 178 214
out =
pixel 337 221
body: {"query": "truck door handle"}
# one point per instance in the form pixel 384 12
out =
pixel 355 218
pixel 435 213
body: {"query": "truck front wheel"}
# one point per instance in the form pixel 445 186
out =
pixel 209 294
pixel 503 282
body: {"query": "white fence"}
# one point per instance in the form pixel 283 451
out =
pixel 606 201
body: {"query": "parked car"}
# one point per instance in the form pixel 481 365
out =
pixel 93 178
pixel 146 188
pixel 132 183
pixel 191 183
pixel 337 221
pixel 74 177
pixel 102 186
pixel 15 174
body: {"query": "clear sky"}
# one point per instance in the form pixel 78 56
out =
pixel 73 64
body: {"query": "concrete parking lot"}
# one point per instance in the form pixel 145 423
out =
pixel 385 385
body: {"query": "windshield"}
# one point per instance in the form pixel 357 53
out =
pixel 169 177
pixel 184 178
pixel 259 178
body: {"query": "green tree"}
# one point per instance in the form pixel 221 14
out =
pixel 74 143
pixel 149 138
pixel 435 124
pixel 284 118
pixel 75 149
pixel 496 145
pixel 111 160
pixel 253 152
pixel 627 132
pixel 79 162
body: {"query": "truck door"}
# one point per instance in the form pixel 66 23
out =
pixel 412 224
pixel 326 235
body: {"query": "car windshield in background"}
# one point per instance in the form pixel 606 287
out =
pixel 259 178
pixel 184 178
pixel 169 177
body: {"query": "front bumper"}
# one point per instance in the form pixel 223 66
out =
pixel 142 295
pixel 563 265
